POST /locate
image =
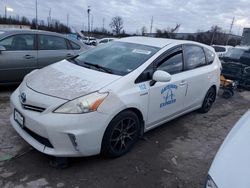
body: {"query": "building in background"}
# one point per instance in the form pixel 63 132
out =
pixel 246 37
pixel 12 26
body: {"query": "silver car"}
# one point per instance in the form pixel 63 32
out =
pixel 22 51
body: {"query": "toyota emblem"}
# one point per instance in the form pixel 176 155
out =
pixel 23 97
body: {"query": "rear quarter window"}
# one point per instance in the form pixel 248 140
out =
pixel 209 56
pixel 194 57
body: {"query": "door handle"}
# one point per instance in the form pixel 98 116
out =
pixel 28 56
pixel 69 55
pixel 183 82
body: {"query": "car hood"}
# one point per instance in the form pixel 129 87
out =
pixel 230 167
pixel 68 81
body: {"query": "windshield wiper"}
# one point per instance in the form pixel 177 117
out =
pixel 99 67
pixel 73 59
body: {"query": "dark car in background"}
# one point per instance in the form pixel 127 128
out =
pixel 236 66
pixel 22 51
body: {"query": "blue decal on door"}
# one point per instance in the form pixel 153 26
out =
pixel 168 95
pixel 142 87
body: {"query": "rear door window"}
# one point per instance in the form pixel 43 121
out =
pixel 194 57
pixel 48 42
pixel 20 42
pixel 74 46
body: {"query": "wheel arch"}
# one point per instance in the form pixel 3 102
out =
pixel 131 109
pixel 139 115
pixel 212 86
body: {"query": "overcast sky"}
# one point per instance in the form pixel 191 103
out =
pixel 192 15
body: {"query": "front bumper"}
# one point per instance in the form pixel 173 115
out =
pixel 69 134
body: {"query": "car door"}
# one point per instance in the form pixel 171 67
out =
pixel 166 98
pixel 52 49
pixel 19 58
pixel 198 75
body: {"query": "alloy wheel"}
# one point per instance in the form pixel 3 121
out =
pixel 123 135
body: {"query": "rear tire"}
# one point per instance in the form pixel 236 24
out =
pixel 121 134
pixel 208 100
pixel 227 94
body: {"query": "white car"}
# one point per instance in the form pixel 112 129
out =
pixel 104 99
pixel 221 50
pixel 106 40
pixel 230 168
pixel 89 40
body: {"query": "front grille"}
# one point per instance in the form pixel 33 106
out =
pixel 33 108
pixel 39 138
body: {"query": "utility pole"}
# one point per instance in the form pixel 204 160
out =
pixel 214 31
pixel 230 31
pixel 36 17
pixel 5 12
pixel 88 11
pixel 151 25
pixel 67 20
pixel 103 21
pixel 49 18
pixel 92 22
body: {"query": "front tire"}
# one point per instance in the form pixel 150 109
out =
pixel 121 134
pixel 208 100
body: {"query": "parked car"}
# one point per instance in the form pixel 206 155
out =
pixel 238 72
pixel 105 40
pixel 235 54
pixel 236 66
pixel 89 41
pixel 22 51
pixel 104 99
pixel 230 168
pixel 221 50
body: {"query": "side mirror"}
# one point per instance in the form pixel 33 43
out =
pixel 2 48
pixel 160 76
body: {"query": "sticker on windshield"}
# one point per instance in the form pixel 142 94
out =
pixel 168 95
pixel 138 51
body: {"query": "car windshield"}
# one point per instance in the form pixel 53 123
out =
pixel 234 53
pixel 117 57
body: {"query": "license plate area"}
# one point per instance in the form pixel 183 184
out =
pixel 18 117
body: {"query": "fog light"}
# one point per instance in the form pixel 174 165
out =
pixel 73 141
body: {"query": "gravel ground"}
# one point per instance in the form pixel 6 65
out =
pixel 175 155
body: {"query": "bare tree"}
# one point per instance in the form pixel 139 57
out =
pixel 116 24
pixel 167 33
pixel 143 30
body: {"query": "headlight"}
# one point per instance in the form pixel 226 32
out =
pixel 87 103
pixel 210 183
